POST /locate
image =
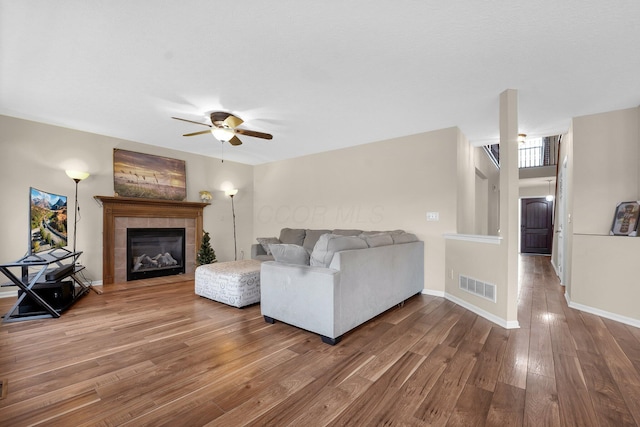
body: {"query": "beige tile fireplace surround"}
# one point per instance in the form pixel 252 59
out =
pixel 120 213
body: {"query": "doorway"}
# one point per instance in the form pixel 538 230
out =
pixel 536 226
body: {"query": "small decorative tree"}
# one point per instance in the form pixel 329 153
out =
pixel 206 254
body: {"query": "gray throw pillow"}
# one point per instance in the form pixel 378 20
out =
pixel 290 254
pixel 329 244
pixel 266 241
pixel 294 236
pixel 380 239
pixel 311 237
pixel 404 238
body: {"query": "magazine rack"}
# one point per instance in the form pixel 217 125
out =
pixel 45 268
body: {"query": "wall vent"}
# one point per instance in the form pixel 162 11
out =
pixel 477 287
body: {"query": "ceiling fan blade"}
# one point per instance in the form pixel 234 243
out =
pixel 191 121
pixel 202 132
pixel 254 134
pixel 235 141
pixel 233 121
pixel 224 119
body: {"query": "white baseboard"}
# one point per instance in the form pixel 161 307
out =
pixel 480 312
pixel 8 294
pixel 433 293
pixel 602 313
pixel 514 324
pixel 555 268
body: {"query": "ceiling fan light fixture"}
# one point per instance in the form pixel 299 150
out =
pixel 522 137
pixel 223 134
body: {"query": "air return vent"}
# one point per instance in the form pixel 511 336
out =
pixel 477 287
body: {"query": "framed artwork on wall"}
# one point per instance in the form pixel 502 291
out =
pixel 625 220
pixel 147 176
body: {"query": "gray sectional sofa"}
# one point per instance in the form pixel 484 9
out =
pixel 345 279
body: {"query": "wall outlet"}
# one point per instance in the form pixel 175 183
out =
pixel 433 216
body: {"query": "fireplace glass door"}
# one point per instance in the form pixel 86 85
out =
pixel 154 252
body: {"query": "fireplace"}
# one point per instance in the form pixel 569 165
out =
pixel 120 213
pixel 155 252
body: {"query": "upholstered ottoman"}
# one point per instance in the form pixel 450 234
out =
pixel 236 283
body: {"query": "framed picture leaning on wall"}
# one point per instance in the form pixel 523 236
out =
pixel 625 220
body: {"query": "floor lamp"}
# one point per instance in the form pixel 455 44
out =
pixel 232 193
pixel 77 177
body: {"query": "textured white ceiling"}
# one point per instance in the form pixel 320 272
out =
pixel 318 75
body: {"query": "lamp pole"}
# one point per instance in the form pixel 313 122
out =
pixel 76 177
pixel 75 216
pixel 235 244
pixel 232 192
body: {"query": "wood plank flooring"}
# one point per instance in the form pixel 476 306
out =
pixel 153 353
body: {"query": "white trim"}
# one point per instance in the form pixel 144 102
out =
pixel 8 294
pixel 553 264
pixel 478 238
pixel 514 324
pixel 433 293
pixel 602 313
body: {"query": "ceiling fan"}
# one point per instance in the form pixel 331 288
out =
pixel 224 128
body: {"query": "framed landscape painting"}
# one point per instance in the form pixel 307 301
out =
pixel 148 176
pixel 625 220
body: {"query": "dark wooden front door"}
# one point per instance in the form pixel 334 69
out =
pixel 536 226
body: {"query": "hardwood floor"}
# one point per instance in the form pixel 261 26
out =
pixel 154 353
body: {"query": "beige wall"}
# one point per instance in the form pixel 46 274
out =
pixel 602 155
pixel 533 191
pixel 485 167
pixel 605 275
pixel 385 185
pixel 509 201
pixel 484 258
pixel 480 260
pixel 605 167
pixel 36 155
pixel 466 176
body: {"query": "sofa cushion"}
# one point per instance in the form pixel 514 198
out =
pixel 380 239
pixel 290 254
pixel 294 236
pixel 311 238
pixel 340 232
pixel 404 238
pixel 266 241
pixel 369 233
pixel 329 244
